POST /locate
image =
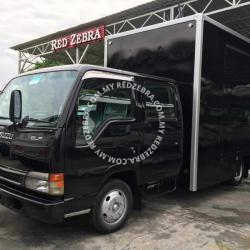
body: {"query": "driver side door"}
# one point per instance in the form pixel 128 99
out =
pixel 100 134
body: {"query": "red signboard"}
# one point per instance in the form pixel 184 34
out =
pixel 76 39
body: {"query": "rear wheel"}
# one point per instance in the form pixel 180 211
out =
pixel 112 208
pixel 238 175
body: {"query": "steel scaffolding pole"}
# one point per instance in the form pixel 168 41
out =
pixel 27 57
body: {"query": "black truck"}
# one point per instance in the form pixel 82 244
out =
pixel 82 139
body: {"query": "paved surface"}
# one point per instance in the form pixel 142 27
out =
pixel 217 218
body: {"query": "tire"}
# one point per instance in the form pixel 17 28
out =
pixel 246 173
pixel 238 175
pixel 112 207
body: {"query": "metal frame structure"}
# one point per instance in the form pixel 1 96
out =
pixel 38 53
pixel 30 56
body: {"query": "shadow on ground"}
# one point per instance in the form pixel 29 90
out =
pixel 215 218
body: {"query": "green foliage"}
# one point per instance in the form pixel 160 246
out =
pixel 47 63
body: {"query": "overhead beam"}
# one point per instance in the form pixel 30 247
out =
pixel 189 7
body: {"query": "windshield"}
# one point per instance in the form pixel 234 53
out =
pixel 43 96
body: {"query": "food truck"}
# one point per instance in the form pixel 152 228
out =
pixel 81 139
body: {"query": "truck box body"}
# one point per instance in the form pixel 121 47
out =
pixel 211 65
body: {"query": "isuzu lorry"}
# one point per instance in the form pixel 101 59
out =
pixel 82 139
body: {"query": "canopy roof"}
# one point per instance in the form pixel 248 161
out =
pixel 233 13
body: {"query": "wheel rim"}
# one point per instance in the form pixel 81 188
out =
pixel 239 173
pixel 114 206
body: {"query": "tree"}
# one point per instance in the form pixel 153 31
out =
pixel 45 64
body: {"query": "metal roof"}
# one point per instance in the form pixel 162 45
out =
pixel 232 13
pixel 129 13
pixel 237 19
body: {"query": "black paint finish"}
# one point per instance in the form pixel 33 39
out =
pixel 224 137
pixel 224 107
pixel 84 171
pixel 167 52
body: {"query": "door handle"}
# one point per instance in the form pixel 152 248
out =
pixel 133 149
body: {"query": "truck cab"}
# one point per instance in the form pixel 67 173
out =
pixel 85 139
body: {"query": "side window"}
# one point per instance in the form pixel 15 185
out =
pixel 165 95
pixel 100 101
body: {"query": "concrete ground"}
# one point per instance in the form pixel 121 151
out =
pixel 216 218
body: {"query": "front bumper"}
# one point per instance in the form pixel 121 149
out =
pixel 40 209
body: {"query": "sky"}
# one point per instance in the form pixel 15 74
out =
pixel 24 20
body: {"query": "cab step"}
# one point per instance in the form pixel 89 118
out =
pixel 159 188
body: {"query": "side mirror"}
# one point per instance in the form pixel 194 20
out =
pixel 16 106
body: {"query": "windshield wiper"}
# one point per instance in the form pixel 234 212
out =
pixel 26 120
pixel 4 118
pixel 37 120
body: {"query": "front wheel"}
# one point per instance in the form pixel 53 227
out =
pixel 112 208
pixel 238 175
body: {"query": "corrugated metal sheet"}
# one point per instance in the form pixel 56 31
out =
pixel 237 19
pixel 136 11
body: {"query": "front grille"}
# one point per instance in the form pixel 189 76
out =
pixel 11 176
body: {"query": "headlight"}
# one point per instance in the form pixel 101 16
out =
pixel 52 184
